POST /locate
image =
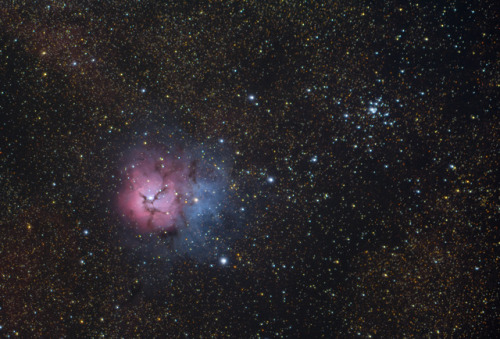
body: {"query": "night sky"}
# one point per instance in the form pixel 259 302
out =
pixel 249 169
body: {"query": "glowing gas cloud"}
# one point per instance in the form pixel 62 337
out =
pixel 165 191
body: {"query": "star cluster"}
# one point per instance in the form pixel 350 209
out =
pixel 249 169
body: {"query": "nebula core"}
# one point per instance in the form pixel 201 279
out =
pixel 167 192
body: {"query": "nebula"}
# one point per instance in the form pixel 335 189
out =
pixel 169 192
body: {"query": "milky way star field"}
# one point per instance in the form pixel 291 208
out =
pixel 249 169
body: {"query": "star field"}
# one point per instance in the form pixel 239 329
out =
pixel 355 149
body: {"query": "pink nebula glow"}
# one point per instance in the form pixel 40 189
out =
pixel 155 190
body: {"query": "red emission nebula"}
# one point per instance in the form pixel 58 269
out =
pixel 156 189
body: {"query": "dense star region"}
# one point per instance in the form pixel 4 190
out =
pixel 249 169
